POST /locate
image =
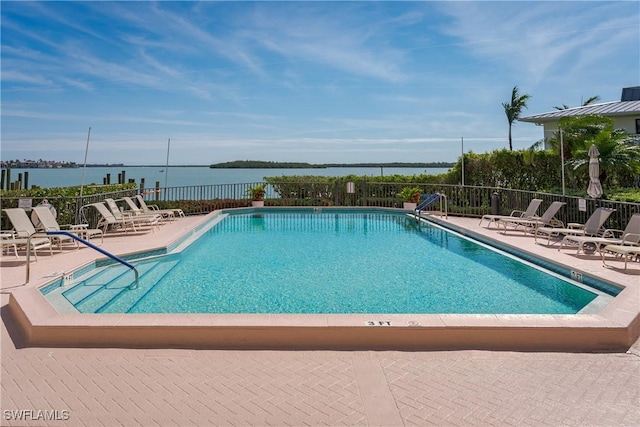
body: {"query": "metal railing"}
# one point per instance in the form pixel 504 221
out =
pixel 460 200
pixel 430 200
pixel 83 241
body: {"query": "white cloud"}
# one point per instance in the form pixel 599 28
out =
pixel 328 38
pixel 542 38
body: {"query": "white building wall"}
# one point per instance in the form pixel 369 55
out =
pixel 628 123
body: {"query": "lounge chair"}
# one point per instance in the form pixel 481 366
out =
pixel 23 228
pixel 529 213
pixel 592 227
pixel 530 225
pixel 49 223
pixel 164 214
pixel 151 208
pixel 629 236
pixel 9 241
pixel 109 222
pixel 130 217
pixel 626 251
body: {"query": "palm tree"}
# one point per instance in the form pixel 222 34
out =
pixel 514 108
pixel 577 132
pixel 589 101
pixel 619 157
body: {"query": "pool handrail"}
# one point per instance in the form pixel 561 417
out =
pixel 85 242
pixel 431 199
pixel 428 201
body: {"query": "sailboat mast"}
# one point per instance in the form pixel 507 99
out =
pixel 166 169
pixel 84 167
pixel 84 170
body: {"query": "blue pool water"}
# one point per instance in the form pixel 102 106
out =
pixel 329 262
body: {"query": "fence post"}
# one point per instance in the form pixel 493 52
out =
pixel 364 193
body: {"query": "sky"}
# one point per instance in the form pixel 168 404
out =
pixel 317 82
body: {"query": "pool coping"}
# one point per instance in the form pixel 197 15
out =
pixel 615 328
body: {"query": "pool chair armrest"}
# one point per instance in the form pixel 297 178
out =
pixel 575 225
pixel 556 223
pixel 612 233
pixel 78 226
pixel 72 227
pixel 631 239
pixel 8 234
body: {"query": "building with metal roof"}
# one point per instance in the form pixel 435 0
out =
pixel 625 113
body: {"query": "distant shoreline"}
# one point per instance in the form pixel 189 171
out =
pixel 254 164
pixel 270 165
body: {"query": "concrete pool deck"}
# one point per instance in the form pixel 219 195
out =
pixel 122 386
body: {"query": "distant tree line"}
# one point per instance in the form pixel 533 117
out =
pixel 31 164
pixel 258 164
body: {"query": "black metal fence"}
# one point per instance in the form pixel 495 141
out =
pixel 461 200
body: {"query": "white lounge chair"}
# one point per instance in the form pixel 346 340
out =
pixel 530 225
pixel 9 241
pixel 164 214
pixel 23 228
pixel 130 217
pixel 152 208
pixel 109 222
pixel 592 227
pixel 529 213
pixel 629 236
pixel 625 251
pixel 49 223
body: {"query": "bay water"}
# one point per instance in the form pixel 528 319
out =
pixel 180 176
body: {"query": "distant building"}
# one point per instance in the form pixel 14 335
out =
pixel 625 114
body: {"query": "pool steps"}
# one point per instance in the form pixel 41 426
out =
pixel 108 291
pixel 127 301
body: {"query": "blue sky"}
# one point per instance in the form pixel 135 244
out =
pixel 299 81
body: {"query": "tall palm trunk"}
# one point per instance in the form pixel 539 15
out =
pixel 514 108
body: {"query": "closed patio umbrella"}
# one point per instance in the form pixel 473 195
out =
pixel 595 187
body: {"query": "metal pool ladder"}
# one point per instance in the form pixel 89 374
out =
pixel 85 242
pixel 430 200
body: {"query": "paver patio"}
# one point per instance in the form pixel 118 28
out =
pixel 114 386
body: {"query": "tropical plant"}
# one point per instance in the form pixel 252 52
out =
pixel 513 109
pixel 619 158
pixel 589 101
pixel 410 194
pixel 257 192
pixel 577 131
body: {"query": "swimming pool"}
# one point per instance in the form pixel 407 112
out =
pixel 328 261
